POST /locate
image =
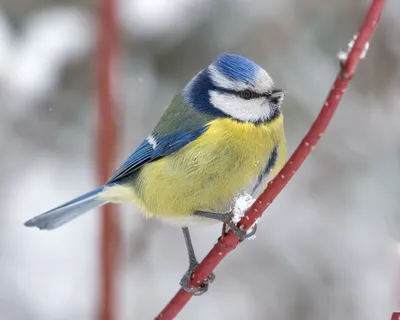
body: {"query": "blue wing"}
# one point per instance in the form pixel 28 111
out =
pixel 157 147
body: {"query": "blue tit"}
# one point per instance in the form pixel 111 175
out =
pixel 220 137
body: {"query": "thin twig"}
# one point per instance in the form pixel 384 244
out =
pixel 227 243
pixel 106 135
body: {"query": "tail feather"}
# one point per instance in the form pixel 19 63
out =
pixel 66 212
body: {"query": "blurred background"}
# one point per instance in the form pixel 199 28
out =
pixel 326 248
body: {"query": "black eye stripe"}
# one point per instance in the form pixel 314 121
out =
pixel 242 93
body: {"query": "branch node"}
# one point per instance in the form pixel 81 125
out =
pixel 342 56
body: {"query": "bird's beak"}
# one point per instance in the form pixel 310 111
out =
pixel 278 93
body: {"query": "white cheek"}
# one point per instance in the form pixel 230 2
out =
pixel 244 110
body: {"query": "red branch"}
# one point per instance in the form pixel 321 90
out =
pixel 228 242
pixel 106 148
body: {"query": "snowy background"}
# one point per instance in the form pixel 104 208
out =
pixel 326 248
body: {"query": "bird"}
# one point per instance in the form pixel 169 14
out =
pixel 221 136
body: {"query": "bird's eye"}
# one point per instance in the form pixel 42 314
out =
pixel 246 94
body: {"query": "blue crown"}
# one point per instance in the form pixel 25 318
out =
pixel 237 67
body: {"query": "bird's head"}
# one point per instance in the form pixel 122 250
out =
pixel 236 87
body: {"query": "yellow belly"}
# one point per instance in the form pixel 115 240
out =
pixel 211 171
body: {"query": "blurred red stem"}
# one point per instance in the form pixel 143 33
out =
pixel 106 157
pixel 228 242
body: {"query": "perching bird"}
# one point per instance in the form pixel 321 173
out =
pixel 221 137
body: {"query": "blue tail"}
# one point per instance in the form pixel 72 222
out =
pixel 58 216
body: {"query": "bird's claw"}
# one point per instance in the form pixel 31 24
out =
pixel 228 219
pixel 186 280
pixel 241 234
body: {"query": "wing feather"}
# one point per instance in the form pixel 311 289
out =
pixel 147 152
pixel 179 125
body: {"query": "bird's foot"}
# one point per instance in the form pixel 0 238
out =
pixel 228 219
pixel 240 233
pixel 186 280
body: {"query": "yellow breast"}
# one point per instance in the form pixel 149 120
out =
pixel 209 172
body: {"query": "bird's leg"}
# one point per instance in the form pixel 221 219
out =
pixel 227 218
pixel 193 263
